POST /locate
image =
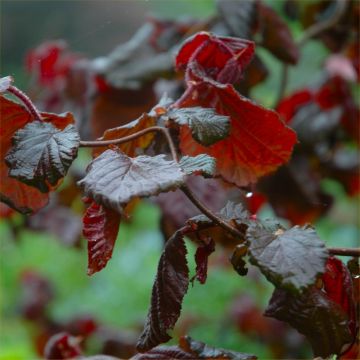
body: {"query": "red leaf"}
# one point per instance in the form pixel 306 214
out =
pixel 169 289
pixel 259 141
pixel 289 106
pixel 339 288
pixel 201 259
pixel 222 58
pixel 17 195
pixel 62 346
pixel 101 226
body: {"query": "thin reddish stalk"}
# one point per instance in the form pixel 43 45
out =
pixel 345 251
pixel 26 100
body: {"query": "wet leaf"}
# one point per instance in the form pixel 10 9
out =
pixel 314 315
pixel 290 259
pixel 101 226
pixel 203 164
pixel 42 154
pixel 170 286
pixel 113 178
pixel 206 126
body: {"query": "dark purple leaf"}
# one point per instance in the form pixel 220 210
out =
pixel 101 226
pixel 42 154
pixel 113 178
pixel 291 259
pixel 239 16
pixel 200 350
pixel 201 258
pixel 313 314
pixel 170 286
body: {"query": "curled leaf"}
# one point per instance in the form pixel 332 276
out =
pixel 170 286
pixel 101 226
pixel 5 82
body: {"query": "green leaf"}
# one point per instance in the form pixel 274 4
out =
pixel 42 154
pixel 113 178
pixel 290 259
pixel 206 125
pixel 203 164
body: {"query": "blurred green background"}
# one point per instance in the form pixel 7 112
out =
pixel 119 295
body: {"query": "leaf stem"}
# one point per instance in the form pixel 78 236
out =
pixel 345 251
pixel 217 220
pixel 164 131
pixel 26 100
pixel 319 27
pixel 311 32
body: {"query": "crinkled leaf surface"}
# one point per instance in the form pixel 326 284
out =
pixel 16 194
pixel 42 154
pixel 203 164
pixel 113 178
pixel 290 259
pixel 258 143
pixel 101 226
pixel 170 286
pixel 206 126
pixel 130 148
pixel 313 314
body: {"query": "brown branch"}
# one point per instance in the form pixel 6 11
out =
pixel 345 251
pixel 314 30
pixel 217 220
pixel 26 100
pixel 164 131
pixel 318 28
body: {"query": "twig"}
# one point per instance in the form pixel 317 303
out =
pixel 318 28
pixel 311 32
pixel 217 220
pixel 164 131
pixel 26 100
pixel 345 251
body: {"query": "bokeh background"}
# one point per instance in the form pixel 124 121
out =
pixel 226 311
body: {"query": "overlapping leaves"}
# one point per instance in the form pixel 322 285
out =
pixel 16 194
pixel 258 142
